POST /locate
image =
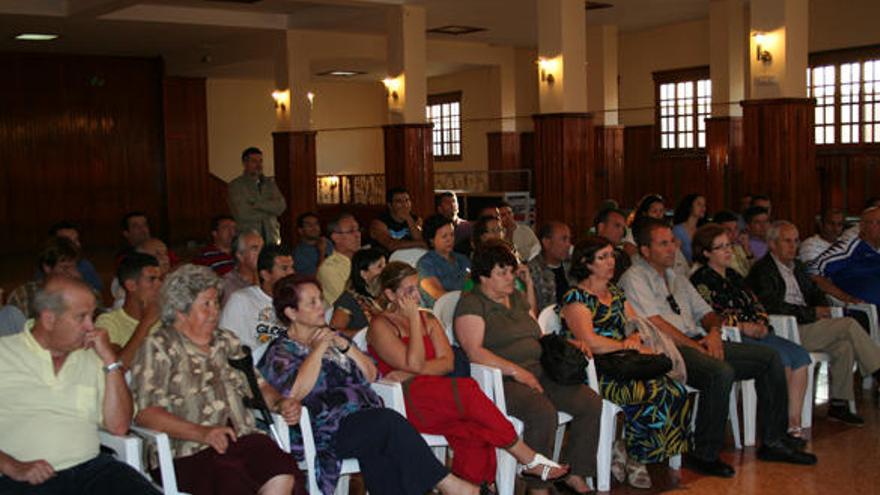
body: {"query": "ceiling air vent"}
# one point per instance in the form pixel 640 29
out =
pixel 456 30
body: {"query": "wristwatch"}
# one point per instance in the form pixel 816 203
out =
pixel 113 366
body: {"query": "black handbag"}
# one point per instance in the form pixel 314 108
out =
pixel 563 362
pixel 629 364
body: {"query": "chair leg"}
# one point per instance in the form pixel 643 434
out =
pixel 675 462
pixel 750 412
pixel 733 417
pixel 809 397
pixel 606 445
pixel 505 474
pixel 342 485
pixel 557 445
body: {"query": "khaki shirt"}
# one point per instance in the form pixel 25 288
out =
pixel 257 206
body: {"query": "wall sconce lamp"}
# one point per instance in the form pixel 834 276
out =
pixel 311 97
pixel 392 85
pixel 282 99
pixel 547 67
pixel 761 52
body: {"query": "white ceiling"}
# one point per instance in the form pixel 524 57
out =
pixel 169 27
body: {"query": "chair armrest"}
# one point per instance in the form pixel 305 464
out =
pixel 166 460
pixel 871 310
pixel 281 432
pixel 127 448
pixel 731 334
pixel 490 381
pixel 592 376
pixel 391 394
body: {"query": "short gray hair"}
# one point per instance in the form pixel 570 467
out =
pixel 238 242
pixel 777 227
pixel 49 300
pixel 182 287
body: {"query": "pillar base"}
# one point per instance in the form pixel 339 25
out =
pixel 296 175
pixel 409 163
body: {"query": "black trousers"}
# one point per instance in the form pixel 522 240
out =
pixel 393 457
pixel 714 378
pixel 102 475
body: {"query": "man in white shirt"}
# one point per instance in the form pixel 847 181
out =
pixel 830 229
pixel 249 312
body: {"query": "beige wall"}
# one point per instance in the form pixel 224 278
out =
pixel 349 117
pixel 240 114
pixel 674 46
pixel 481 111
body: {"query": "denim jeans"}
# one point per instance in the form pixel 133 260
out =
pixel 714 378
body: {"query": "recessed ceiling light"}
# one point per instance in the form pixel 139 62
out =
pixel 341 73
pixel 36 37
pixel 456 30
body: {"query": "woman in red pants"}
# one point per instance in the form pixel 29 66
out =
pixel 411 346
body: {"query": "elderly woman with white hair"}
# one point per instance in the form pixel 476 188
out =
pixel 183 385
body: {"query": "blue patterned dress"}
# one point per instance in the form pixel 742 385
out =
pixel 341 389
pixel 658 410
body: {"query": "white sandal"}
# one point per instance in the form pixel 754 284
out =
pixel 539 460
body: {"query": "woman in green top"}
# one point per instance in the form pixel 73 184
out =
pixel 495 325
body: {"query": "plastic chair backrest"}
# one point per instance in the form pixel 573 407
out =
pixel 410 256
pixel 360 339
pixel 549 321
pixel 444 310
pixel 786 327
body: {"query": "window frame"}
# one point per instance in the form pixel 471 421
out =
pixel 690 74
pixel 838 58
pixel 439 99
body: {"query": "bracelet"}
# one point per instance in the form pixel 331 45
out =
pixel 113 366
pixel 343 351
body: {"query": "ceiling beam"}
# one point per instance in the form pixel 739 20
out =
pixel 199 16
pixel 95 8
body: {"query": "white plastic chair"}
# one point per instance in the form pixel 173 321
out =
pixel 128 449
pixel 166 460
pixel 392 395
pixel 444 310
pixel 360 339
pixel 749 401
pixel 410 256
pixel 310 452
pixel 873 325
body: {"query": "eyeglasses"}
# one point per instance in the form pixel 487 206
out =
pixel 673 304
pixel 726 245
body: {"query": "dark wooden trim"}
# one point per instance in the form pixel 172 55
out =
pixel 563 115
pixel 440 98
pixel 844 55
pixel 679 75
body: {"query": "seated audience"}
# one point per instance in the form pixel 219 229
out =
pixel 313 247
pixel 216 445
pixel 610 223
pixel 57 257
pixel 726 291
pixel 757 220
pixel 218 254
pixel 136 230
pixel 357 305
pixel 762 201
pixel 153 247
pixel 331 377
pixel 853 264
pixel 334 271
pixel 248 312
pixel 441 269
pixel 495 326
pixel 740 258
pixel 486 229
pixel 520 235
pixel 139 276
pixel 657 410
pixel 397 227
pixel 549 270
pixel 410 345
pixel 446 204
pixel 689 214
pixel 247 249
pixel 62 381
pixel 11 318
pixel 782 284
pixel 672 304
pixel 85 267
pixel 652 206
pixel 831 225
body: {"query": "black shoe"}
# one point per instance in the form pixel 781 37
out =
pixel 779 452
pixel 709 468
pixel 794 443
pixel 842 414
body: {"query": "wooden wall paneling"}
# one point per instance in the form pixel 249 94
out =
pixel 564 160
pixel 610 166
pixel 81 139
pixel 503 149
pixel 723 149
pixel 527 155
pixel 779 157
pixel 409 162
pixel 190 207
pixel 296 173
pixel 637 160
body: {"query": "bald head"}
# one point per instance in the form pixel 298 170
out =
pixel 157 249
pixel 869 226
pixel 64 314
